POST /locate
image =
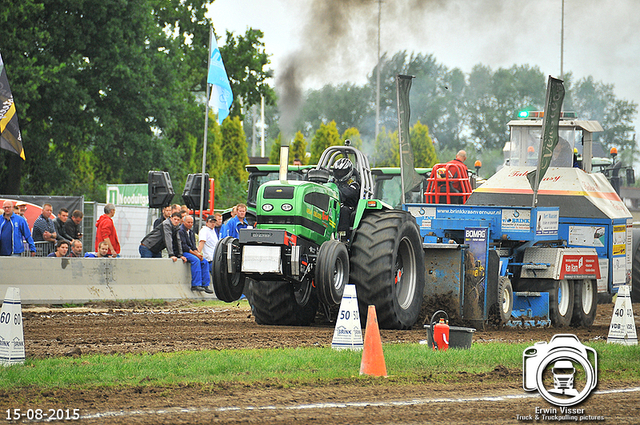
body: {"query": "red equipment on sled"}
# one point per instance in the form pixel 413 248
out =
pixel 448 184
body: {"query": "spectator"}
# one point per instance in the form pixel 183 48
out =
pixel 16 210
pixel 13 229
pixel 163 237
pixel 22 206
pixel 456 185
pixel 76 248
pixel 208 239
pixel 62 247
pixel 73 227
pixel 59 222
pixel 218 225
pixel 166 213
pixel 200 277
pixel 103 251
pixel 232 226
pixel 106 231
pixel 44 230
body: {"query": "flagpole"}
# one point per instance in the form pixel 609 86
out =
pixel 206 128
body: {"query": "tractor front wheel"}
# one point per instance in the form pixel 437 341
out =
pixel 332 271
pixel 227 286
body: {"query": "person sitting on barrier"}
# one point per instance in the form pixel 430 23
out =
pixel 200 277
pixel 76 248
pixel 349 191
pixel 208 239
pixel 103 251
pixel 163 237
pixel 62 248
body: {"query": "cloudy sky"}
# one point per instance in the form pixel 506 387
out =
pixel 317 42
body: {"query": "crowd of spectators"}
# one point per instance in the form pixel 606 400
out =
pixel 172 234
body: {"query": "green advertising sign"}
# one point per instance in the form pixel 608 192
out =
pixel 128 194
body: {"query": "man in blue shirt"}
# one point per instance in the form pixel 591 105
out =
pixel 12 229
pixel 232 226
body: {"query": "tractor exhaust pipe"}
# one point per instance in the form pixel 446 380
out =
pixel 284 162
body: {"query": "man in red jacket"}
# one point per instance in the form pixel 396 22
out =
pixel 106 231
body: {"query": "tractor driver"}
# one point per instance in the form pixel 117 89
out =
pixel 349 191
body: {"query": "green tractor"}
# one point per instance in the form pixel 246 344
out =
pixel 296 259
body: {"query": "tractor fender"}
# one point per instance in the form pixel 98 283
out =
pixel 368 204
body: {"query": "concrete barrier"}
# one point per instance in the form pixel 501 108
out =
pixel 80 280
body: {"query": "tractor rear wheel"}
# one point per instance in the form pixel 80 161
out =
pixel 274 303
pixel 227 286
pixel 332 271
pixel 561 300
pixel 387 267
pixel 585 302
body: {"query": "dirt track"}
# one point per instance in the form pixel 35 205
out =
pixel 180 326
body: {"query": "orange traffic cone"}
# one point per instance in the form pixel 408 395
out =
pixel 372 357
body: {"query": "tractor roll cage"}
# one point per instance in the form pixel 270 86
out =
pixel 362 171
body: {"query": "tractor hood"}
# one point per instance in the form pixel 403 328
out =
pixel 302 208
pixel 575 192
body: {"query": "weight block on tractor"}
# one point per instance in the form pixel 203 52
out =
pixel 530 309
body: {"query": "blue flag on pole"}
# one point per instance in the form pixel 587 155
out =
pixel 221 95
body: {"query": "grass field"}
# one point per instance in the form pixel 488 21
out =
pixel 405 363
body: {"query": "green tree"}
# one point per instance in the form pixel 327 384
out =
pixel 298 149
pixel 326 135
pixel 234 150
pixel 102 78
pixel 353 134
pixel 274 153
pixel 214 160
pixel 424 153
pixel 594 100
pixel 494 98
pixel 348 105
pixel 387 149
pixel 245 59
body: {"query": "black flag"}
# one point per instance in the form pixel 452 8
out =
pixel 410 178
pixel 10 138
pixel 550 124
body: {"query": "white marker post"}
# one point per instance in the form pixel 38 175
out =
pixel 348 332
pixel 11 335
pixel 623 327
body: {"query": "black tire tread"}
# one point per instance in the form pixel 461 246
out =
pixel 329 252
pixel 274 303
pixel 579 317
pixel 556 319
pixel 373 262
